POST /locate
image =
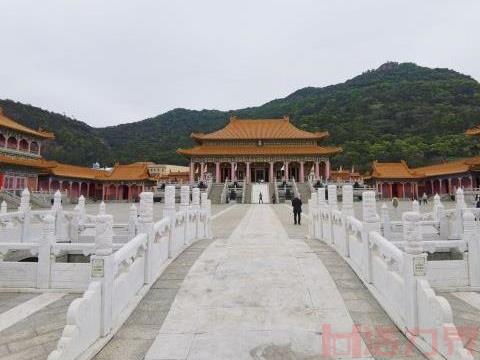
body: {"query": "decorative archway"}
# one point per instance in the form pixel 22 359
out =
pixel 23 145
pixel 2 140
pixel 84 189
pixel 12 143
pixel 34 148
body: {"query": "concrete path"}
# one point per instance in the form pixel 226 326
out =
pixel 38 334
pixel 256 295
pixel 138 333
pixel 466 317
pixel 383 339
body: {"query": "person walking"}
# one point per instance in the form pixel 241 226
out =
pixel 297 210
pixel 260 198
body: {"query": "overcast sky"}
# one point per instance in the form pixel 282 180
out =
pixel 109 62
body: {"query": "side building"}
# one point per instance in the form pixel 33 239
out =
pixel 23 166
pixel 399 180
pixel 258 150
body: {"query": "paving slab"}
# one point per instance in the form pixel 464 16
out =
pixel 257 294
pixel 374 324
pixel 466 317
pixel 38 334
pixel 136 336
pixel 9 300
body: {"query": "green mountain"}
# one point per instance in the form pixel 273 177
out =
pixel 398 111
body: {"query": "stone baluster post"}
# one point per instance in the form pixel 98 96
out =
pixel 81 207
pixel 312 210
pixel 61 228
pixel 206 211
pixel 102 209
pixel 75 225
pixel 371 222
pixel 385 216
pixel 415 206
pixel 471 235
pixel 3 208
pixel 332 197
pixel 196 208
pixel 132 222
pixel 443 222
pixel 145 226
pixel 25 209
pixel 103 268
pixel 332 205
pixel 321 197
pixel 321 206
pixel 459 208
pixel 169 211
pixel 436 204
pixel 45 257
pixel 347 210
pixel 185 208
pixel 414 267
pixel 347 200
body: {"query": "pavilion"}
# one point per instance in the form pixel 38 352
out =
pixel 257 150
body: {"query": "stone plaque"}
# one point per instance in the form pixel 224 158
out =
pixel 419 266
pixel 98 268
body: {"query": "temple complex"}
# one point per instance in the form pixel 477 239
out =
pixel 260 150
pixel 401 181
pixel 23 166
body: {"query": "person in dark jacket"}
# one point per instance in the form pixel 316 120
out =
pixel 297 210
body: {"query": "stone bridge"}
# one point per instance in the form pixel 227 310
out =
pixel 261 288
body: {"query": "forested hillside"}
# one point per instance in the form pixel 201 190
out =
pixel 398 111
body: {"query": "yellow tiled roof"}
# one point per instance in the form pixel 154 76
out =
pixel 130 172
pixel 398 170
pixel 449 167
pixel 13 125
pixel 402 171
pixel 253 129
pixel 135 171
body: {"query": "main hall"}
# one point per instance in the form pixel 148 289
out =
pixel 260 150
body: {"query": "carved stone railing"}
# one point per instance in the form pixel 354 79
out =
pixel 398 275
pixel 121 277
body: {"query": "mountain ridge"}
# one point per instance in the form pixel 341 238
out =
pixel 397 111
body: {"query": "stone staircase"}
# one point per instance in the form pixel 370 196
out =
pixel 304 191
pixel 256 190
pixel 216 193
pixel 12 200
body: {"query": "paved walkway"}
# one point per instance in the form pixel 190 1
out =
pixel 138 333
pixel 362 306
pixel 256 295
pixel 466 316
pixel 38 334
